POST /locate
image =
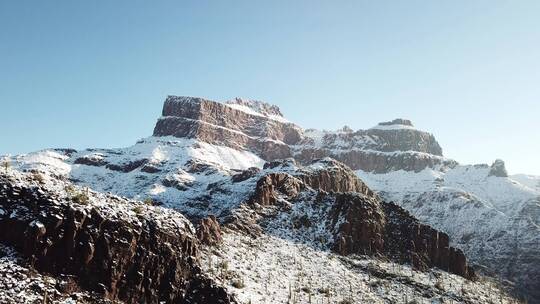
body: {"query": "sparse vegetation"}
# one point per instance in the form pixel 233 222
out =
pixel 80 198
pixel 149 201
pixel 38 177
pixel 238 283
pixel 70 190
pixel 139 209
pixel 6 165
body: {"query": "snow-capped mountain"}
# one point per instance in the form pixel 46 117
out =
pixel 277 219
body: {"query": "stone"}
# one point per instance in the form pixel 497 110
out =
pixel 217 123
pixel 498 169
pixel 111 256
pixel 209 231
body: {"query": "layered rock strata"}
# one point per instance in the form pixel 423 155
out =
pixel 220 124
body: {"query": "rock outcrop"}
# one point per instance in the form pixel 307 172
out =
pixel 260 127
pixel 375 161
pixel 209 231
pixel 109 249
pixel 218 123
pixel 362 223
pixel 389 146
pixel 427 246
pixel 498 169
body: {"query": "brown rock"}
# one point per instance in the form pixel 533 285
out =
pixel 209 231
pixel 220 124
pixel 113 256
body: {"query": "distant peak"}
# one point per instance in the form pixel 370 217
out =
pixel 257 106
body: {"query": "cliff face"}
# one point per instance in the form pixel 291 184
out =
pixel 389 146
pixel 260 128
pixel 222 124
pixel 130 253
pixel 360 221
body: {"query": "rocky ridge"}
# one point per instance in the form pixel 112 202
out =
pixel 110 247
pixel 260 128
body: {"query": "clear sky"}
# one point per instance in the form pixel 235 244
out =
pixel 95 73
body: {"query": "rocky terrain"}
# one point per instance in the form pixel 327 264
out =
pixel 231 202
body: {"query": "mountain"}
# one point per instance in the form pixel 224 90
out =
pixel 231 203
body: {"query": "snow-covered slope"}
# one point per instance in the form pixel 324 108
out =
pixel 168 170
pixel 496 220
pixel 531 181
pixel 271 270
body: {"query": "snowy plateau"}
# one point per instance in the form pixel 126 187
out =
pixel 232 203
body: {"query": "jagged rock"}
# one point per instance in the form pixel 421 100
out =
pixel 362 223
pixel 91 160
pixel 119 257
pixel 209 231
pixel 270 186
pixel 334 177
pixel 498 169
pixel 127 167
pixel 427 246
pixel 260 107
pixel 281 163
pixel 150 168
pixel 246 174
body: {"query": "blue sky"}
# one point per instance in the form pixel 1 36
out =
pixel 95 73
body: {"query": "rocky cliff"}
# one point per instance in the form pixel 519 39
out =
pixel 360 221
pixel 111 247
pixel 389 146
pixel 224 124
pixel 261 128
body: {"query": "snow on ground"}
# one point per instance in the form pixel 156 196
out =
pixel 269 269
pixel 183 168
pixel 253 111
pixel 499 193
pixel 393 127
pixel 531 181
pixel 494 220
pixel 19 284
